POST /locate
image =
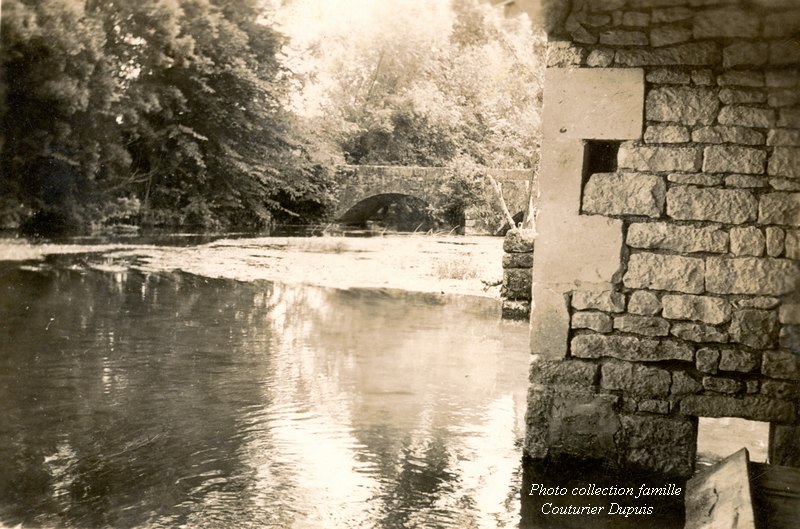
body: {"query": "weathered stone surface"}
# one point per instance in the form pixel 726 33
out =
pixel 700 308
pixel 722 134
pixel 667 35
pixel 733 96
pixel 519 241
pixel 784 97
pixel 664 445
pixel 774 240
pixel 657 159
pixel 619 37
pixel 666 134
pixel 790 338
pixel 605 300
pixel 690 106
pixel 517 283
pixel 698 332
pixel 751 275
pixel 755 328
pixel 785 162
pixel 699 179
pixel 629 348
pixel 730 159
pixel 665 272
pixel 596 321
pixel 779 208
pixel 784 51
pixel 791 244
pixel 789 118
pixel 782 24
pixel 635 19
pixel 644 302
pixel 518 260
pixel 624 194
pixel 654 406
pixel 744 181
pixel 562 54
pixel 751 386
pixel 725 23
pixel 739 360
pixel 569 373
pixel 747 241
pixel 749 53
pixel 782 184
pixel 635 379
pixel 703 77
pixel 646 325
pixel 699 53
pixel 516 309
pixel 783 137
pixel 731 206
pixel 759 302
pixel 707 360
pixel 600 58
pixel 684 239
pixel 781 78
pixel 754 408
pixel 667 76
pixel 781 364
pixel 747 116
pixel 671 14
pixel 780 390
pixel 722 385
pixel 684 384
pixel 789 314
pixel 741 78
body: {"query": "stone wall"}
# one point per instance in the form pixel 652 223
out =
pixel 517 274
pixel 697 313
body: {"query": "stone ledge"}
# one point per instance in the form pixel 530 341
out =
pixel 751 408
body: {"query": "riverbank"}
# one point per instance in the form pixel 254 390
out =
pixel 465 265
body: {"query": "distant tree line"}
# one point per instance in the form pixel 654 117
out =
pixel 190 113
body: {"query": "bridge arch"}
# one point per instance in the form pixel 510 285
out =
pixel 397 211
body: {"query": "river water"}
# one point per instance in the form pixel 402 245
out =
pixel 137 399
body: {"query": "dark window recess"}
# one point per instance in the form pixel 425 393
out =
pixel 600 157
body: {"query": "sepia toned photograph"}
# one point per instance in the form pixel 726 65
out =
pixel 490 264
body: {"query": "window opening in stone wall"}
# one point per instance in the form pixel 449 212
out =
pixel 598 157
pixel 717 438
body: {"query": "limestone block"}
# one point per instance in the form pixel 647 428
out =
pixel 722 385
pixel 659 159
pixel 741 78
pixel 774 240
pixel 789 117
pixel 744 181
pixel 783 137
pixel 755 328
pixel 517 283
pixel 684 239
pixel 646 325
pixel 739 360
pixel 747 116
pixel 519 241
pixel 666 134
pixel 725 23
pixel 605 300
pixel 561 54
pixel 784 51
pixel 664 445
pixel 635 19
pixel 596 321
pixel 731 158
pixel 698 53
pixel 644 302
pixel 779 208
pixel 698 332
pixel 747 241
pixel 671 14
pixel 790 337
pixel 706 309
pixel 667 76
pixel 635 379
pixel 731 206
pixel 600 58
pixel 665 272
pixel 782 184
pixel 699 179
pixel 654 406
pixel 549 321
pixel 703 77
pixel 689 106
pixel 751 275
pixel 785 162
pixel 629 348
pixel 781 78
pixel 748 53
pixel 619 37
pixel 781 364
pixel 751 386
pixel 566 373
pixel 516 309
pixel 780 390
pixel 624 194
pixel 518 260
pixel 707 360
pixel 782 24
pixel 791 244
pixel 733 96
pixel 723 134
pixel 784 97
pixel 789 314
pixel 666 35
pixel 684 384
pixel 759 302
pixel 754 408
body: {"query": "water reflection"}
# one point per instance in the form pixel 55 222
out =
pixel 171 400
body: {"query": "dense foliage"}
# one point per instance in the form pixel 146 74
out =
pixel 159 112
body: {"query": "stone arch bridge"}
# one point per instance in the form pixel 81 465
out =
pixel 359 183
